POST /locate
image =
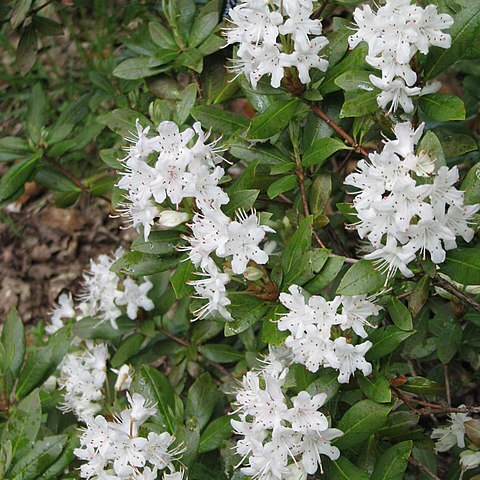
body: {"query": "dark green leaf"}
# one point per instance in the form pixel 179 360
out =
pixel 471 185
pixel 36 370
pixel 36 114
pixel 359 422
pixel 463 265
pixel 23 424
pixel 13 148
pixel 189 96
pixel 240 199
pixel 138 264
pixel 17 175
pixel 204 24
pixel 219 120
pixel 344 469
pixel 400 314
pixel 420 386
pixel 449 341
pixel 463 32
pixel 27 50
pixel 285 184
pixel 359 104
pixel 273 120
pixel 221 353
pixel 129 347
pixel 319 194
pixel 321 149
pixel 442 107
pixel 375 387
pixel 419 296
pixel 385 340
pixel 215 434
pixel 20 11
pixel 135 69
pixel 201 400
pixel 329 272
pixel 183 274
pixel 163 242
pixel 393 463
pixel 361 278
pixel 246 311
pixel 162 36
pixel 13 341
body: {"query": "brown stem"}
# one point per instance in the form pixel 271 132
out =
pixel 446 285
pixel 301 184
pixel 442 410
pixel 198 85
pixel 423 468
pixel 319 112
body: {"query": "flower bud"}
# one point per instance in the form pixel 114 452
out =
pixel 124 378
pixel 170 218
pixel 252 274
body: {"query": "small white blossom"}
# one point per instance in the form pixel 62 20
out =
pixel 453 434
pixel 64 309
pixel 124 377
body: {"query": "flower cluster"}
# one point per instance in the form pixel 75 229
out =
pixel 282 438
pixel 453 434
pixel 310 323
pixel 394 34
pixel 182 171
pixel 115 450
pixel 276 35
pixel 105 295
pixel 82 376
pixel 399 212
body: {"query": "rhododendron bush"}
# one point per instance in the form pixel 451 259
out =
pixel 301 297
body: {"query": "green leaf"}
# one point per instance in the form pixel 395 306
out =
pixel 344 469
pixel 23 424
pixel 329 272
pixel 337 41
pixel 71 116
pixel 180 279
pixel 361 278
pixel 43 454
pixel 215 434
pixel 201 399
pixel 385 340
pixel 191 58
pixel 398 423
pixel 20 11
pixel 449 341
pixel 354 80
pixel 471 185
pixel 204 24
pixel 431 145
pixel 17 175
pixel 271 334
pixel 326 382
pixel 129 347
pixel 27 50
pixel 189 96
pixel 36 370
pixel 400 314
pixel 36 115
pixel 359 104
pixel 457 144
pixel 442 107
pixel 393 463
pixel 419 296
pixel 355 60
pixel 463 32
pixel 273 120
pixel 155 387
pixel 321 149
pixel 13 148
pixel 285 184
pixel 375 387
pixel 240 199
pixel 55 180
pixel 246 311
pixel 122 121
pixel 221 353
pixel 94 328
pixel 62 463
pixel 420 386
pixel 320 193
pixel 219 120
pixel 136 68
pixel 463 265
pixel 298 244
pixel 13 341
pixel 186 12
pixel 161 36
pixel 47 26
pixel 163 242
pixel 359 422
pixel 138 264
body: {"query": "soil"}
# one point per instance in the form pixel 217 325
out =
pixel 45 249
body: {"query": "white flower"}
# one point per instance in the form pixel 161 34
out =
pixel 316 444
pixel 124 377
pixel 453 434
pixel 211 287
pixel 64 309
pixel 469 460
pixel 348 358
pixel 82 377
pixel 458 221
pixel 355 313
pixel 394 34
pixel 134 296
pixel 259 27
pixel 244 236
pixel 304 414
pixel 443 191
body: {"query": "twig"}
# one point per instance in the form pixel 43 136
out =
pixel 301 184
pixel 347 259
pixel 319 112
pixel 198 85
pixel 447 385
pixel 446 285
pixel 442 410
pixel 423 468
